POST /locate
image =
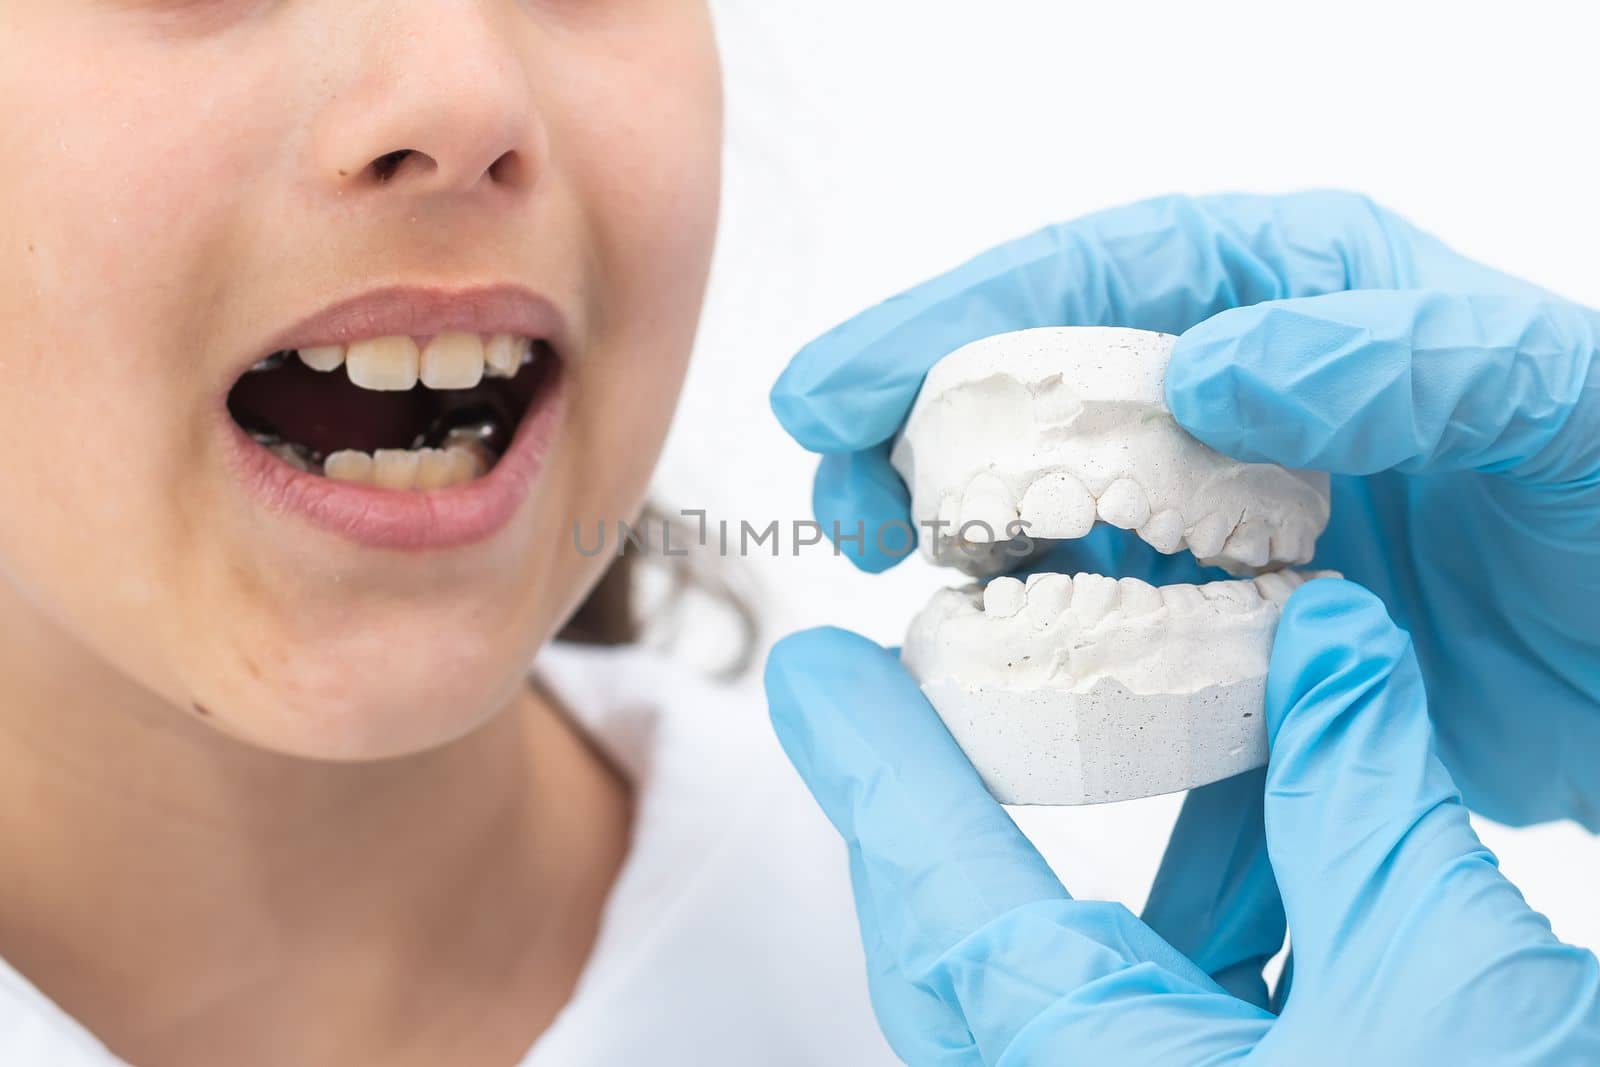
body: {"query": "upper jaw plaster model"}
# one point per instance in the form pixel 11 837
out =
pixel 1086 689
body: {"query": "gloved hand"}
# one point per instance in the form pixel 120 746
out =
pixel 1411 948
pixel 1458 408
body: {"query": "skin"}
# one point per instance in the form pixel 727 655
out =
pixel 269 796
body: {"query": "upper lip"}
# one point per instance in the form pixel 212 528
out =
pixel 423 311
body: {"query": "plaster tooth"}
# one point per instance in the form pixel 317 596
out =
pixel 1164 531
pixel 1249 545
pixel 1049 596
pixel 1276 586
pixel 1003 598
pixel 1292 546
pixel 1182 599
pixel 1138 598
pixel 1058 506
pixel 1093 597
pixel 1207 536
pixel 1231 596
pixel 1124 504
pixel 988 502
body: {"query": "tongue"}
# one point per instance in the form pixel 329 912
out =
pixel 326 413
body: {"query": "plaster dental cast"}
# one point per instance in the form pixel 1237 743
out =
pixel 1075 689
pixel 1457 412
pixel 326 322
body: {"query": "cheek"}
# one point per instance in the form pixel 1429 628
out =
pixel 111 239
pixel 646 168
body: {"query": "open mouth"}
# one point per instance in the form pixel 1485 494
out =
pixel 396 412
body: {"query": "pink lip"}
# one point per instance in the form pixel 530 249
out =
pixel 413 519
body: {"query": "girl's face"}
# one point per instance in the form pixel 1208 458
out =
pixel 409 187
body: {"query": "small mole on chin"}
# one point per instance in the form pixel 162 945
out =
pixel 201 710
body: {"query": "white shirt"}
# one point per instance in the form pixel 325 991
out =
pixel 729 937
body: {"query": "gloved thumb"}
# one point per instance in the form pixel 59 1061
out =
pixel 1391 898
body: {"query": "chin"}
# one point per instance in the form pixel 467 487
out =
pixel 375 694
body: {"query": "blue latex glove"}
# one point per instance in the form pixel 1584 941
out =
pixel 1458 408
pixel 1411 947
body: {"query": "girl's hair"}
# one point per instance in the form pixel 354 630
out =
pixel 606 615
pixel 610 614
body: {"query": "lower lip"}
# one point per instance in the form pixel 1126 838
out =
pixel 406 519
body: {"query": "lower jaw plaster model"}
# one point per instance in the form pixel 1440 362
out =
pixel 1087 689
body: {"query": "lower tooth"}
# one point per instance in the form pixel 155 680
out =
pixel 435 469
pixel 394 468
pixel 294 455
pixel 472 444
pixel 348 465
pixel 402 468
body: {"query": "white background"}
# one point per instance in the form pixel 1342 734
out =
pixel 873 143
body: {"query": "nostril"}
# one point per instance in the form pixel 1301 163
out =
pixel 385 166
pixel 508 169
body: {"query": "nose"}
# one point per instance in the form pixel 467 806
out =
pixel 437 100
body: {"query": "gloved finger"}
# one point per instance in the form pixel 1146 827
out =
pixel 1163 264
pixel 939 858
pixel 925 1029
pixel 920 1027
pixel 1086 982
pixel 1360 382
pixel 949 892
pixel 864 509
pixel 1214 898
pixel 1389 892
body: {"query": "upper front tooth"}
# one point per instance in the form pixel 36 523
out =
pixel 987 510
pixel 1249 544
pixel 1057 505
pixel 453 361
pixel 322 357
pixel 505 354
pixel 385 363
pixel 1207 536
pixel 1124 504
pixel 1293 546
